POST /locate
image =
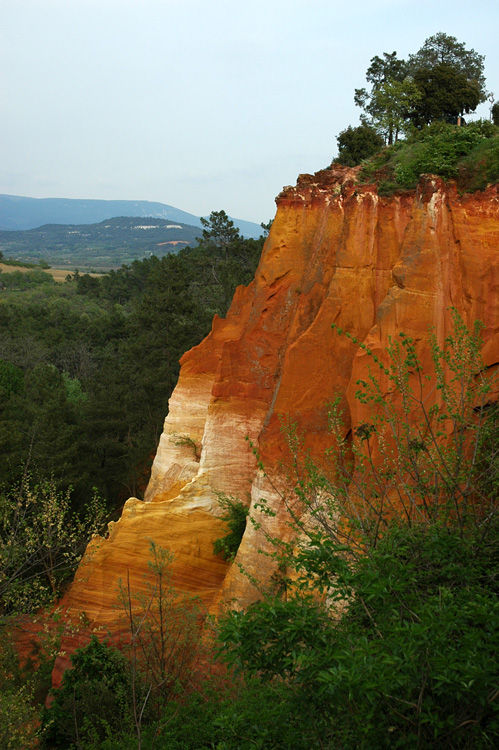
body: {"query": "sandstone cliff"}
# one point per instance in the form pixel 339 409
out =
pixel 337 253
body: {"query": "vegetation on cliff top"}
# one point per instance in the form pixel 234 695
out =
pixel 422 101
pixel 469 155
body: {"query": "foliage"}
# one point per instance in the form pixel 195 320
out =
pixel 411 661
pixel 41 542
pixel 24 682
pixel 240 715
pixel 387 628
pixel 99 358
pixel 226 254
pixel 387 76
pixel 93 701
pixel 444 95
pixel 440 82
pixel 357 144
pixel 234 514
pixel 442 49
pixel 17 718
pixel 495 113
pixel 219 233
pixel 20 280
pixel 388 104
pixel 17 710
pixel 468 154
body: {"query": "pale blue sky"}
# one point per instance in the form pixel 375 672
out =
pixel 202 104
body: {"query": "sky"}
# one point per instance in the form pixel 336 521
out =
pixel 201 104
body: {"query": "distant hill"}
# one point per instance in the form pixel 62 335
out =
pixel 18 213
pixel 107 244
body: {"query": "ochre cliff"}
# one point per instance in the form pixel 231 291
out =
pixel 337 253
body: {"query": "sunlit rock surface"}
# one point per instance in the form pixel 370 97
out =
pixel 337 253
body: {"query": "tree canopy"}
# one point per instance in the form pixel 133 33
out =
pixel 356 144
pixel 439 82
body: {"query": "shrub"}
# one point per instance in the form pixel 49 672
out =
pixel 389 626
pixel 469 154
pixel 94 699
pixel 234 514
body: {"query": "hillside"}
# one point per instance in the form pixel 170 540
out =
pixel 108 244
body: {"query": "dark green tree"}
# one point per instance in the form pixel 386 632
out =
pixel 228 259
pixel 446 94
pixel 94 701
pixel 440 82
pixel 219 234
pixel 357 144
pixel 442 49
pixel 450 77
pixel 495 113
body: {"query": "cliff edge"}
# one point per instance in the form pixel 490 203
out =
pixel 337 253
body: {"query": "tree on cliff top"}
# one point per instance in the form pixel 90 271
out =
pixel 357 144
pixel 439 82
pixel 442 49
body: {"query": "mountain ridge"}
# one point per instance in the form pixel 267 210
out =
pixel 19 212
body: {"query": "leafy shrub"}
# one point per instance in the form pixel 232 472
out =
pixel 41 541
pixel 248 715
pixel 388 627
pixel 234 514
pixel 94 699
pixel 356 144
pixel 26 280
pixel 410 664
pixel 470 154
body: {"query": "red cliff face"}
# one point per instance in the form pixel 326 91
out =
pixel 337 253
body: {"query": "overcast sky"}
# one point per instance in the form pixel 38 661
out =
pixel 201 104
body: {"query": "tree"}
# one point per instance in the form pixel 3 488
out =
pixel 357 144
pixel 94 701
pixel 219 234
pixel 450 77
pixel 164 638
pixel 442 49
pixel 441 81
pixel 390 93
pixel 231 258
pixel 389 105
pixel 495 113
pixel 445 94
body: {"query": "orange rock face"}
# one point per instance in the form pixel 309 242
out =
pixel 337 253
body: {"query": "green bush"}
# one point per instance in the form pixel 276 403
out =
pixel 412 662
pixel 234 514
pixel 94 700
pixel 387 629
pixel 469 154
pixel 249 715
